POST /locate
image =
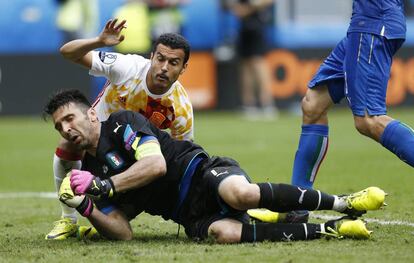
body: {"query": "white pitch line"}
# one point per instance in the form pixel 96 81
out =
pixel 369 220
pixel 28 195
pixel 53 195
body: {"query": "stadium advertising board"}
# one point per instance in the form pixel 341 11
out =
pixel 293 70
pixel 209 83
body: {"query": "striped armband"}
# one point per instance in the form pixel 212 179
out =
pixel 147 149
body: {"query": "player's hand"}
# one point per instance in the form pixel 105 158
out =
pixel 81 203
pixel 111 34
pixel 83 182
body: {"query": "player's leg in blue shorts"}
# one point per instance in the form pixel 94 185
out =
pixel 367 71
pixel 325 89
pixel 358 68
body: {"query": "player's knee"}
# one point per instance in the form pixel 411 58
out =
pixel 127 236
pixel 245 197
pixel 311 111
pixel 224 233
pixel 372 126
pixel 365 125
pixel 362 126
pixel 124 236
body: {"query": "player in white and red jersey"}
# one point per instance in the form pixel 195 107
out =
pixel 147 86
pixel 128 89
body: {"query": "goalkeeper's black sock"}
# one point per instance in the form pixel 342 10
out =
pixel 279 232
pixel 285 197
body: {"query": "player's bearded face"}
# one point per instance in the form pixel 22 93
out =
pixel 166 65
pixel 75 125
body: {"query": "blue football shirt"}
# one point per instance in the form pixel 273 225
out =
pixel 380 17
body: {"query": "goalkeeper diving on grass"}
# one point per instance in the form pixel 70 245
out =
pixel 132 167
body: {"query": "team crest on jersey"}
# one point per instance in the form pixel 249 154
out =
pixel 122 100
pixel 158 114
pixel 114 160
pixel 107 58
pixel 157 118
pixel 129 137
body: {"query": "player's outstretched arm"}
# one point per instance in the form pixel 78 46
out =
pixel 245 9
pixel 259 4
pixel 79 50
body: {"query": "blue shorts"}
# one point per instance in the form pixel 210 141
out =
pixel 359 69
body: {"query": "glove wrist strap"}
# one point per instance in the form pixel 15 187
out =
pixel 86 207
pixel 111 192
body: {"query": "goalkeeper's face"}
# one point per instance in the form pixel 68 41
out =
pixel 78 125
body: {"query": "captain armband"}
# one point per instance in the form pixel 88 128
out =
pixel 147 149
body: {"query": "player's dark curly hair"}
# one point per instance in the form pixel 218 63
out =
pixel 62 98
pixel 174 41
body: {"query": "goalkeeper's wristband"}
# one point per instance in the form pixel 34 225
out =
pixel 86 207
pixel 111 189
pixel 102 188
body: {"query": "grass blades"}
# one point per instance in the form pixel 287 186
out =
pixel 264 149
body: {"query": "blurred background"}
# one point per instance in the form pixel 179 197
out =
pixel 299 34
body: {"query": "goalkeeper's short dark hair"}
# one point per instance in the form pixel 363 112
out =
pixel 62 98
pixel 174 41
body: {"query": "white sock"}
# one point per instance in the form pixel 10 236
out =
pixel 60 169
pixel 323 230
pixel 339 204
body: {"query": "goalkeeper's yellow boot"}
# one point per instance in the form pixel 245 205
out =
pixel 267 216
pixel 62 229
pixel 87 232
pixel 264 215
pixel 371 198
pixel 347 228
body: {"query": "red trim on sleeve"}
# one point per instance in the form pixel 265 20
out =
pixel 98 98
pixel 68 156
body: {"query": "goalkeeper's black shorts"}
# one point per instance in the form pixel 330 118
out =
pixel 203 205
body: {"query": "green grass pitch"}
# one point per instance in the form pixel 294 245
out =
pixel 264 149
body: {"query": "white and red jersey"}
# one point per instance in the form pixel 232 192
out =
pixel 127 89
